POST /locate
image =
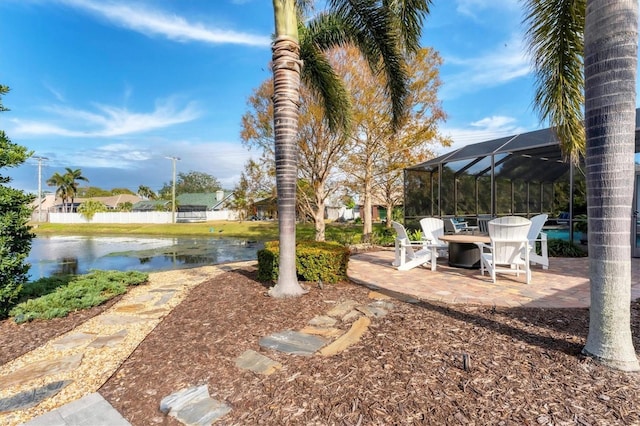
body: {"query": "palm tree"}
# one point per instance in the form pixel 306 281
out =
pixel 72 177
pixel 378 30
pixel 62 187
pixel 609 29
pixel 146 192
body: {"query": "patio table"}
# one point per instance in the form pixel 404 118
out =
pixel 463 251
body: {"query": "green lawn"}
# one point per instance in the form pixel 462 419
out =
pixel 259 230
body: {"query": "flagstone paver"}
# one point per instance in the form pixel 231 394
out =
pixel 37 370
pixel 73 340
pixel 358 328
pixel 258 363
pixel 109 341
pixel 293 342
pixel 32 397
pixel 194 406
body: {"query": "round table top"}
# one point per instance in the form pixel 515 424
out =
pixel 466 238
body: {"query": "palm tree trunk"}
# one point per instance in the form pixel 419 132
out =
pixel 610 61
pixel 286 94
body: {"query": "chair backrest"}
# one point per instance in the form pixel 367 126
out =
pixel 508 237
pixel 433 229
pixel 450 226
pixel 537 222
pixel 482 224
pixel 402 235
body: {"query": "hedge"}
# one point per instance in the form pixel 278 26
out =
pixel 315 261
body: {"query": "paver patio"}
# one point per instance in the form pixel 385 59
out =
pixel 564 285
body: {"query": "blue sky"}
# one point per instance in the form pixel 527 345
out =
pixel 113 87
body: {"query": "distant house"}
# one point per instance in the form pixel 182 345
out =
pixel 194 207
pixel 56 205
pixel 267 208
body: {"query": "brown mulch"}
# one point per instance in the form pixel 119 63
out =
pixel 525 364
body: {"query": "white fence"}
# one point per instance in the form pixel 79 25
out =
pixel 132 217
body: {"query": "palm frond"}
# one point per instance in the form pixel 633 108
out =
pixel 319 76
pixel 371 27
pixel 555 35
pixel 409 15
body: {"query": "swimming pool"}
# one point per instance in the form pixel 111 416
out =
pixel 562 234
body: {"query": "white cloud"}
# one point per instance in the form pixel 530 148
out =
pixel 472 7
pixel 107 121
pixel 501 65
pixel 54 91
pixel 154 22
pixel 482 130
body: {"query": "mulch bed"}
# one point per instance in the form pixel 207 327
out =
pixel 524 364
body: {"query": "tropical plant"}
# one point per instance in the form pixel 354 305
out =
pixel 62 187
pixel 600 39
pixel 147 193
pixel 15 235
pixel 67 185
pixel 127 206
pixel 89 208
pixel 378 29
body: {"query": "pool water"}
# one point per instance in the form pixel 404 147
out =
pixel 562 234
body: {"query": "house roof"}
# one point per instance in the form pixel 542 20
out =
pixel 211 201
pixel 149 205
pixel 533 156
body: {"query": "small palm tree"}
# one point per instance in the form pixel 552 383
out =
pixel 62 187
pixel 147 193
pixel 72 177
pixel 89 208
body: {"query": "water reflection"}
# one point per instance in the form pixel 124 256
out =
pixel 78 255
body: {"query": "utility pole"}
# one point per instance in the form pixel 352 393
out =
pixel 40 159
pixel 173 190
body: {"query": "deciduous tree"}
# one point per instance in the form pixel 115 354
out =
pixel 378 152
pixel 190 183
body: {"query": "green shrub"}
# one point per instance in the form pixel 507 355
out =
pixel 383 237
pixel 326 261
pixel 43 286
pixel 562 248
pixel 81 292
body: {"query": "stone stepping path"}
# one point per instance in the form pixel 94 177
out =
pixel 194 406
pixel 76 364
pixel 44 379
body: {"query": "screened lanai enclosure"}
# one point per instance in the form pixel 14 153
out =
pixel 522 175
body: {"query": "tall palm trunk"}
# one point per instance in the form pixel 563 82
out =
pixel 610 61
pixel 286 94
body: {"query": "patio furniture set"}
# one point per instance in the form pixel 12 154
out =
pixel 502 245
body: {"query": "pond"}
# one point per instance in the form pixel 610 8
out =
pixel 80 254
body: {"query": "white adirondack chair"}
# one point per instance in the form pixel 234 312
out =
pixel 409 254
pixel 536 235
pixel 508 252
pixel 432 230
